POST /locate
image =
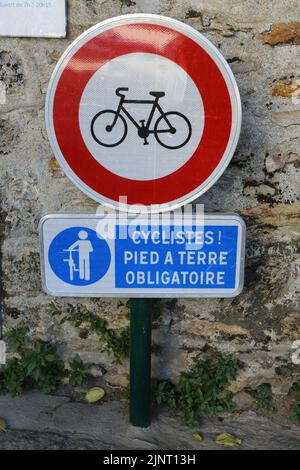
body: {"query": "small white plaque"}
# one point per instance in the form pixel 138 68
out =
pixel 35 18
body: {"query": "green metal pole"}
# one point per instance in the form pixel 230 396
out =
pixel 140 362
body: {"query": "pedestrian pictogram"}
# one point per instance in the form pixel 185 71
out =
pixel 143 110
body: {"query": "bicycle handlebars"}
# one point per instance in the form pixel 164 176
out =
pixel 121 89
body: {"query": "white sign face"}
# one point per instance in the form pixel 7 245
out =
pixel 92 256
pixel 33 18
pixel 141 160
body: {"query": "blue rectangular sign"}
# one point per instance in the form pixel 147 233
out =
pixel 98 256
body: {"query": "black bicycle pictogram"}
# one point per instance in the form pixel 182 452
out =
pixel 172 130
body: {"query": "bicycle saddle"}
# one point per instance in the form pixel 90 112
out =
pixel 120 90
pixel 157 94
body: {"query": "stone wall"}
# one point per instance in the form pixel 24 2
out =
pixel 261 41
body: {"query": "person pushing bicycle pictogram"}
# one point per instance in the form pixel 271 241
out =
pixel 84 248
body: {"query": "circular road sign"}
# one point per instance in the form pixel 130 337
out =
pixel 143 113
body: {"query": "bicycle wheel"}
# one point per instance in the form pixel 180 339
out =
pixel 103 131
pixel 179 134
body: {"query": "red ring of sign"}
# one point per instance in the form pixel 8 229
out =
pixel 194 60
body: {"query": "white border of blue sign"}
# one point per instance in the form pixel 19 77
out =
pixel 108 290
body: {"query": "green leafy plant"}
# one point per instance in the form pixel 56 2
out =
pixel 16 338
pixel 14 379
pixel 295 392
pixel 37 364
pixel 78 372
pixel 44 366
pixel 114 342
pixel 263 397
pixel 296 412
pixel 199 390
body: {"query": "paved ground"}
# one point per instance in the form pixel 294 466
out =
pixel 37 421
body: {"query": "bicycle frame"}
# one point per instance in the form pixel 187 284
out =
pixel 155 107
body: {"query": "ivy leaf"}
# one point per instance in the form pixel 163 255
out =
pixel 226 439
pixel 94 394
pixel 3 425
pixel 198 437
pixel 50 358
